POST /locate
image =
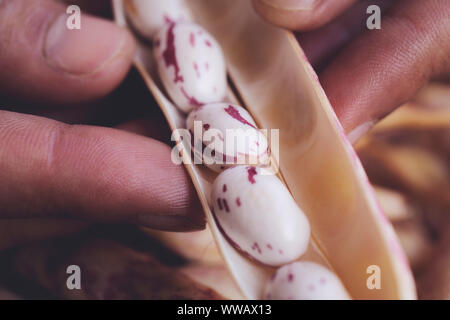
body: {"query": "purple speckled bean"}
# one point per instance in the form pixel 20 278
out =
pixel 191 65
pixel 305 281
pixel 258 215
pixel 223 124
pixel 148 16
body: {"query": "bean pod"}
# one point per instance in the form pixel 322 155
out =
pixel 270 74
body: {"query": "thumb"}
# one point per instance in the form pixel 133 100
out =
pixel 42 59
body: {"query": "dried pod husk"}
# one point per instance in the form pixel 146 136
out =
pixel 395 204
pixel 414 117
pixel 409 151
pixel 280 90
pixel 434 96
pixel 415 170
pixel 149 16
pixel 434 282
pixel 416 241
pixel 413 235
pixel 305 281
pixel 258 215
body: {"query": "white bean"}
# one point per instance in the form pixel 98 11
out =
pixel 229 136
pixel 305 281
pixel 258 215
pixel 191 65
pixel 148 16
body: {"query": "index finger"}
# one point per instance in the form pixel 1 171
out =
pixel 48 168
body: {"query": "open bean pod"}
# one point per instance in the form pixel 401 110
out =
pixel 275 83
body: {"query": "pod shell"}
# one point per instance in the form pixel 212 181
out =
pixel 258 215
pixel 149 16
pixel 229 136
pixel 191 65
pixel 303 280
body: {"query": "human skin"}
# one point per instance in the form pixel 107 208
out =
pixel 53 168
pixel 53 164
pixel 368 73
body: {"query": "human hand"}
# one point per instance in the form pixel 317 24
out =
pixel 51 168
pixel 368 73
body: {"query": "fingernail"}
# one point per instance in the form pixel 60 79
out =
pixel 292 4
pixel 360 131
pixel 84 51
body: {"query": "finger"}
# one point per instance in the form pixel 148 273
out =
pixel 51 169
pixel 154 127
pixel 108 111
pixel 42 60
pixel 322 44
pixel 300 14
pixel 383 68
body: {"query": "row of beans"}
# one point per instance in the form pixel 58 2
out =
pixel 253 209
